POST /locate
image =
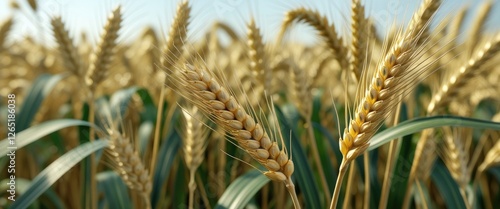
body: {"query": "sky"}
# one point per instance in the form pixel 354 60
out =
pixel 89 16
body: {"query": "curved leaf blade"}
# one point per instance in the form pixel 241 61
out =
pixel 55 170
pixel 114 189
pixel 242 190
pixel 34 133
pixel 419 124
pixel 303 173
pixel 447 187
pixel 39 90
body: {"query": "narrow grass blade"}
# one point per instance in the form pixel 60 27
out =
pixel 55 170
pixel 242 190
pixel 166 156
pixel 419 124
pixel 303 171
pixel 114 189
pixel 34 133
pixel 39 90
pixel 447 187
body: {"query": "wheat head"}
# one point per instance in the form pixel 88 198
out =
pixel 66 48
pixel 101 59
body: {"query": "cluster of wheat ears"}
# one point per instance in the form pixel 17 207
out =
pixel 203 115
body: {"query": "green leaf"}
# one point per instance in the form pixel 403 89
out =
pixel 303 172
pixel 326 162
pixel 55 170
pixel 34 133
pixel 22 186
pixel 419 124
pixel 242 190
pixel 39 90
pixel 447 187
pixel 179 195
pixel 114 189
pixel 166 157
pixel 401 173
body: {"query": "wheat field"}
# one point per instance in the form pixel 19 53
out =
pixel 406 116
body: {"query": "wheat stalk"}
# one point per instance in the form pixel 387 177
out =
pixel 128 164
pixel 66 48
pixel 201 88
pixel 460 78
pixel 101 59
pixel 258 56
pixel 359 36
pixel 392 76
pixel 194 145
pixel 478 25
pixel 177 35
pixel 173 50
pixel 324 28
pixel 104 54
pixel 301 92
pixel 455 157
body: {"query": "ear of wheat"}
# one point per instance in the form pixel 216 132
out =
pixel 127 163
pixel 392 77
pixel 464 73
pixel 194 145
pixel 177 35
pixel 206 92
pixel 66 48
pixel 324 28
pixel 104 54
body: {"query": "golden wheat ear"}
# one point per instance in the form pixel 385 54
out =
pixel 194 138
pixel 177 35
pixel 382 88
pixel 104 54
pixel 323 27
pixel 67 49
pixel 201 88
pixel 124 157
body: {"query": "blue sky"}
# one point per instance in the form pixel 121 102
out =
pixel 90 15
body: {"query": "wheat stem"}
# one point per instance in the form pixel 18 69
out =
pixel 317 159
pixel 156 139
pixel 366 162
pixel 92 193
pixel 291 189
pixel 349 186
pixel 342 170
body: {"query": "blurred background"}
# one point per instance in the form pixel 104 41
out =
pixel 88 16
